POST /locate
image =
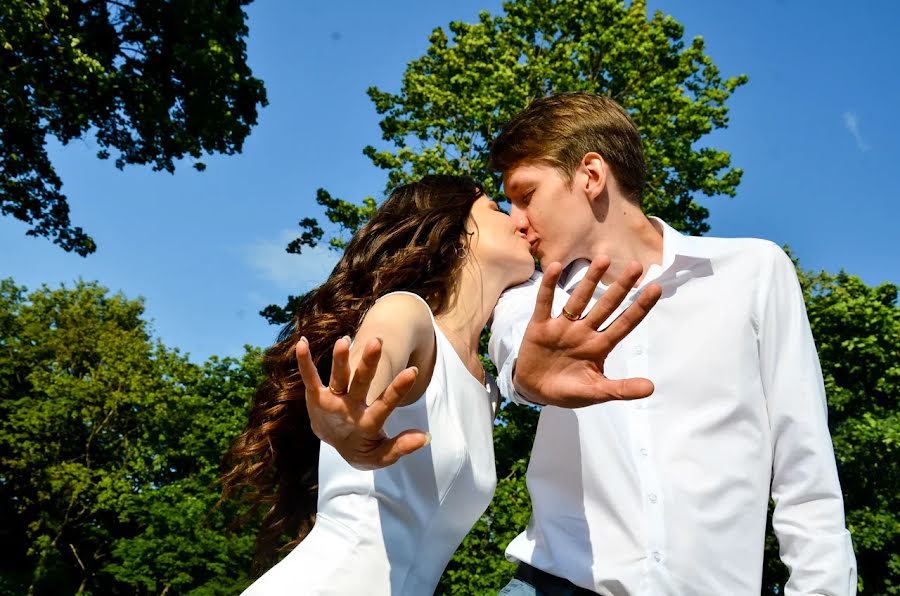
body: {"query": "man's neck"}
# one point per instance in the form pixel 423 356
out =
pixel 625 235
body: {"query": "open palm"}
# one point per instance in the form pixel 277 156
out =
pixel 340 415
pixel 561 359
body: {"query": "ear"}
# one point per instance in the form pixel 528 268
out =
pixel 594 174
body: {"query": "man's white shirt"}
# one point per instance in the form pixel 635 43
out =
pixel 668 495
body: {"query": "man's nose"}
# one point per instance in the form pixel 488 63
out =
pixel 519 219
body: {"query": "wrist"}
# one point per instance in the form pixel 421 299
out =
pixel 522 389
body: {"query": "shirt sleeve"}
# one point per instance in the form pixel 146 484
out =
pixel 809 508
pixel 511 316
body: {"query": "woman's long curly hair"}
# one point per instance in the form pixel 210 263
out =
pixel 414 242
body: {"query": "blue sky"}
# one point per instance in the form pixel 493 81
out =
pixel 815 129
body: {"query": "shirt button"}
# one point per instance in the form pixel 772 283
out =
pixel 638 350
pixel 657 556
pixel 644 451
pixel 652 497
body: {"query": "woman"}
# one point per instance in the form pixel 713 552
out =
pixel 415 286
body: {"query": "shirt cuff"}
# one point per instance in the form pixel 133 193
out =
pixel 505 384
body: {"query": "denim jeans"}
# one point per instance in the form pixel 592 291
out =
pixel 518 588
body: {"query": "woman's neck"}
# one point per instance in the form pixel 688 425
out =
pixel 470 309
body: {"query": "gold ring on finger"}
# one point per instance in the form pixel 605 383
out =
pixel 570 315
pixel 336 392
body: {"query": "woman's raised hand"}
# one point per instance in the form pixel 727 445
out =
pixel 340 416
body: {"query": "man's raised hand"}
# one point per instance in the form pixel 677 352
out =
pixel 561 360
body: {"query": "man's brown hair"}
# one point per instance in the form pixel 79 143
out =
pixel 560 129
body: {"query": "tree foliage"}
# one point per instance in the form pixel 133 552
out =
pixel 109 449
pixel 152 81
pixel 474 77
pixel 857 330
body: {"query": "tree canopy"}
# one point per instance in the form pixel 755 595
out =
pixel 153 82
pixel 474 77
pixel 109 448
pixel 857 331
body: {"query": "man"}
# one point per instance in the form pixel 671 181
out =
pixel 667 494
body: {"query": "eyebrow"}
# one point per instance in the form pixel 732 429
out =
pixel 518 186
pixel 519 191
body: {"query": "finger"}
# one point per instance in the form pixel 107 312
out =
pixel 627 389
pixel 586 287
pixel 379 410
pixel 340 366
pixel 614 295
pixel 308 371
pixel 544 301
pixel 633 315
pixel 365 371
pixel 403 444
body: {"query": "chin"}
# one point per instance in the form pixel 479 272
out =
pixel 527 270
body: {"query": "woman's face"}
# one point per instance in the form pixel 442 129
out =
pixel 498 244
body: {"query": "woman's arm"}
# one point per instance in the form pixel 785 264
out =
pixel 402 323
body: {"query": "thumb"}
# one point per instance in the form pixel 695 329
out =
pixel 403 444
pixel 627 389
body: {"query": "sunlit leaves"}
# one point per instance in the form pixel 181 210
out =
pixel 151 82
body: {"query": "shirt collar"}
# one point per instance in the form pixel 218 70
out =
pixel 675 244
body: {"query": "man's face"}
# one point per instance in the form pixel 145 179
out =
pixel 553 215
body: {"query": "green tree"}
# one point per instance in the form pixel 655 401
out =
pixel 152 81
pixel 109 449
pixel 857 331
pixel 473 78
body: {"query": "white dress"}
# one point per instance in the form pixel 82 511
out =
pixel 392 531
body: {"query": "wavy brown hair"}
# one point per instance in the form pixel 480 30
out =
pixel 413 242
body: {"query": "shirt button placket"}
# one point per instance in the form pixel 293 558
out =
pixel 639 366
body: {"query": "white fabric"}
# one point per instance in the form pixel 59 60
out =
pixel 392 531
pixel 668 495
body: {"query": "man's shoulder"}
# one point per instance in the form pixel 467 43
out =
pixel 756 249
pixel 740 260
